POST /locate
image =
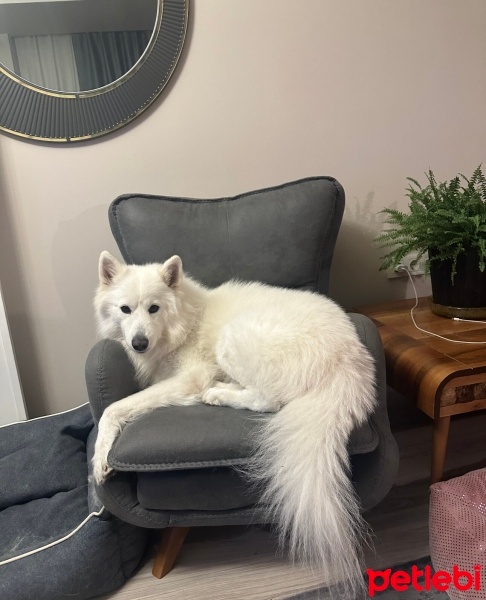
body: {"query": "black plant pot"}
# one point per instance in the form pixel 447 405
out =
pixel 466 295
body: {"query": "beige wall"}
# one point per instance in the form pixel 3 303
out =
pixel 268 91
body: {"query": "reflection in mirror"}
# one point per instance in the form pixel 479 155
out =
pixel 74 45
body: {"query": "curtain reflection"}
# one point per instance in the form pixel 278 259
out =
pixel 47 60
pixel 77 62
pixel 5 52
pixel 103 57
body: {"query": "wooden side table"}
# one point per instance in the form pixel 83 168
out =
pixel 441 377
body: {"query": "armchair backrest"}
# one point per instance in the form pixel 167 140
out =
pixel 284 235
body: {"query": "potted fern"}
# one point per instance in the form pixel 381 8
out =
pixel 447 220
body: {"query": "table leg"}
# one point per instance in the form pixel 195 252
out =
pixel 439 446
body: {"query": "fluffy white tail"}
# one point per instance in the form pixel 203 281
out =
pixel 303 463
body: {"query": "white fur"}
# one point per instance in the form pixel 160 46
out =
pixel 248 345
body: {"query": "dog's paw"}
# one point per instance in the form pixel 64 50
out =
pixel 101 470
pixel 214 396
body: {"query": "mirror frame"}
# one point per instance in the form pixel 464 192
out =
pixel 34 113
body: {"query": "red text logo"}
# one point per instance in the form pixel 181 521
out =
pixel 423 579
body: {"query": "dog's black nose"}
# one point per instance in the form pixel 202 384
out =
pixel 140 343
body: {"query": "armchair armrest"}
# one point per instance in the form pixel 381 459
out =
pixel 381 466
pixel 369 336
pixel 110 376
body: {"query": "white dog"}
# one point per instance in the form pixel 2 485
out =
pixel 266 349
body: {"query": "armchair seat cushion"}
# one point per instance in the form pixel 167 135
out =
pixel 183 456
pixel 201 436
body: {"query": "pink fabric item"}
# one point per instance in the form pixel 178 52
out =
pixel 457 530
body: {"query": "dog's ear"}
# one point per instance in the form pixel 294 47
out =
pixel 108 267
pixel 172 271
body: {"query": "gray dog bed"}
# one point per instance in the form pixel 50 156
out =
pixel 57 541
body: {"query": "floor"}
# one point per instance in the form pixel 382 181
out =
pixel 224 563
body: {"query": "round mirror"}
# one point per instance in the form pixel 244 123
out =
pixel 72 70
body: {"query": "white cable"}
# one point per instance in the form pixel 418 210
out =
pixel 430 332
pixel 63 539
pixel 467 320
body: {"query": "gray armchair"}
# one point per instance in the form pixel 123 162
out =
pixel 173 467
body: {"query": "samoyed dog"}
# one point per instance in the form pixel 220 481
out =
pixel 266 349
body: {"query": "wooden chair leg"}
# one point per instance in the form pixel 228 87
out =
pixel 439 447
pixel 170 543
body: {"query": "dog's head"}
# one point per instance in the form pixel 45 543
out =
pixel 138 305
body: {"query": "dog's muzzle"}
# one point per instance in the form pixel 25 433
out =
pixel 140 343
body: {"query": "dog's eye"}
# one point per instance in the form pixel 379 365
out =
pixel 153 309
pixel 125 309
